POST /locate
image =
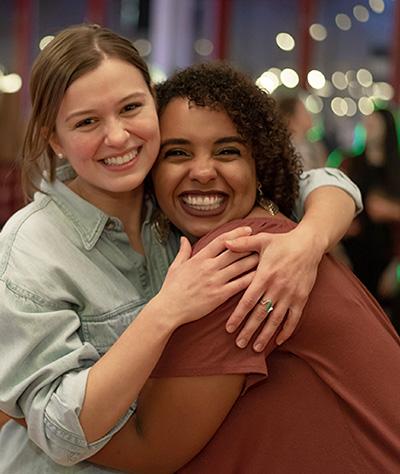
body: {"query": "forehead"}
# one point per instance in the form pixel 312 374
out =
pixel 184 119
pixel 111 78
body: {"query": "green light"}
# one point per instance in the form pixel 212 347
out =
pixel 359 139
pixel 316 133
pixel 334 159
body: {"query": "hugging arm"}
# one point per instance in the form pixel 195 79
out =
pixel 78 385
pixel 288 264
pixel 176 417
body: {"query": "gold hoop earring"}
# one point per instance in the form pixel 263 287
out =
pixel 161 225
pixel 265 203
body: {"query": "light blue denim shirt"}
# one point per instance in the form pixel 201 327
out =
pixel 318 177
pixel 69 285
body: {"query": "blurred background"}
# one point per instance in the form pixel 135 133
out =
pixel 331 65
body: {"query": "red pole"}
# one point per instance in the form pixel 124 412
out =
pixel 306 16
pixel 96 12
pixel 395 55
pixel 223 23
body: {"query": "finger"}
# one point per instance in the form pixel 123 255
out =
pixel 272 323
pixel 291 323
pixel 237 285
pixel 184 253
pixel 254 321
pixel 239 267
pixel 227 257
pixel 247 302
pixel 252 243
pixel 217 246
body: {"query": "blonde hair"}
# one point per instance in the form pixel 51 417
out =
pixel 71 54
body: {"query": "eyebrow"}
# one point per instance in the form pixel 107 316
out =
pixel 77 113
pixel 220 141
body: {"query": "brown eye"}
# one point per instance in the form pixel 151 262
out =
pixel 229 151
pixel 176 152
pixel 85 122
pixel 131 107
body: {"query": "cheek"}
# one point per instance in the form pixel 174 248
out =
pixel 81 147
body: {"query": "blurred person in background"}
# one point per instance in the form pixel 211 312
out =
pixel 299 122
pixel 373 241
pixel 313 154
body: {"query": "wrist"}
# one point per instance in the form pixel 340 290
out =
pixel 163 315
pixel 313 237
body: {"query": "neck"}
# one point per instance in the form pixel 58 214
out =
pixel 126 206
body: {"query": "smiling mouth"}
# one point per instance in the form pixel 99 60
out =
pixel 122 159
pixel 204 203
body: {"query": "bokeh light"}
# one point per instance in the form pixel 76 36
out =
pixel 268 81
pixel 343 21
pixel 318 32
pixel 366 105
pixel 316 79
pixel 10 83
pixel 143 46
pixel 45 41
pixel 377 6
pixel 339 80
pixel 361 13
pixel 285 41
pixel 289 78
pixel 203 46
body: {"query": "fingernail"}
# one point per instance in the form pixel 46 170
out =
pixel 258 347
pixel 279 341
pixel 230 328
pixel 241 343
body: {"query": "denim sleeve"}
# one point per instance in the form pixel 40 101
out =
pixel 315 178
pixel 43 372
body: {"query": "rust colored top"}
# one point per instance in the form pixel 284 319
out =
pixel 326 401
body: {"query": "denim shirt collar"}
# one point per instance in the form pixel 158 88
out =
pixel 88 220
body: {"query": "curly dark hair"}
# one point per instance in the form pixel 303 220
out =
pixel 256 117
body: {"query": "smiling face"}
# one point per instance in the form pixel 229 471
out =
pixel 107 129
pixel 205 175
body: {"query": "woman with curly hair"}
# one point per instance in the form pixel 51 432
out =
pixel 326 400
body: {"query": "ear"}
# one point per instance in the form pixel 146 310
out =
pixel 55 143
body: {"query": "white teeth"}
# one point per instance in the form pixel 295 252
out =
pixel 121 160
pixel 203 203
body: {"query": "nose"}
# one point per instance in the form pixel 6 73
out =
pixel 115 133
pixel 202 169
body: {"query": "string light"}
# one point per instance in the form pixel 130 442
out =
pixel 10 83
pixel 339 80
pixel 268 81
pixel 377 6
pixel 364 77
pixel 203 47
pixel 361 13
pixel 318 32
pixel 289 78
pixel 143 46
pixel 316 79
pixel 45 41
pixel 285 41
pixel 365 105
pixel 343 21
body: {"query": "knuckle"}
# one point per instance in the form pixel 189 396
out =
pixel 275 321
